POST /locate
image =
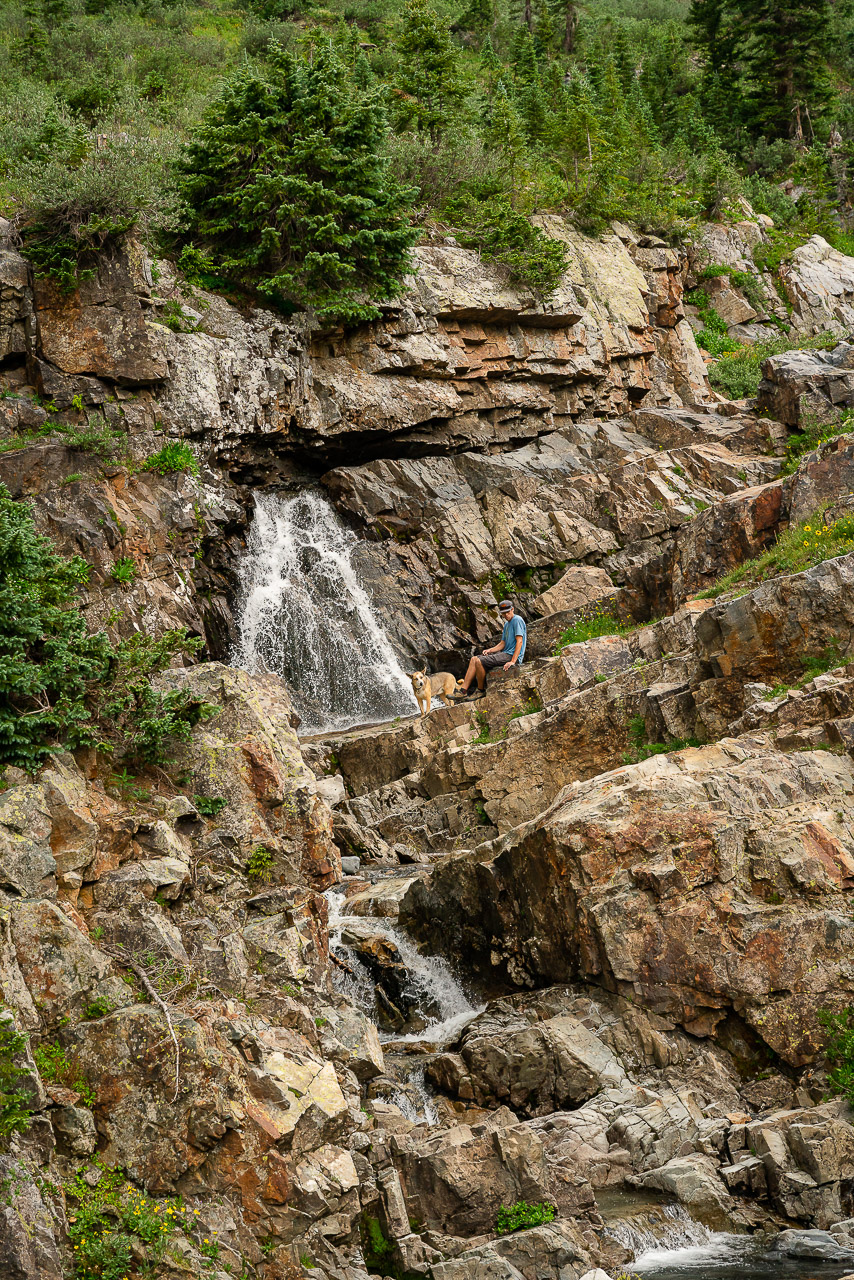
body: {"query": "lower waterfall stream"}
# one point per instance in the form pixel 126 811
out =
pixel 306 615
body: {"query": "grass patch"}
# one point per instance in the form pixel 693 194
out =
pixel 601 623
pixel 797 549
pixel 641 749
pixel 260 862
pixel 529 708
pixel 57 1067
pixel 739 369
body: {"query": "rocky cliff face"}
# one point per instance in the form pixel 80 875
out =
pixel 212 1000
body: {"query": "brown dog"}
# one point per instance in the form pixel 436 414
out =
pixel 425 688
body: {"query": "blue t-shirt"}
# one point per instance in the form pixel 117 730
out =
pixel 513 628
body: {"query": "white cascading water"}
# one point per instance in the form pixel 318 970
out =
pixel 669 1228
pixel 433 981
pixel 306 616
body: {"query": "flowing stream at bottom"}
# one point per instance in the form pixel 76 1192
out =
pixel 431 983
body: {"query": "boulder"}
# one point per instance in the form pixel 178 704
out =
pixel 580 585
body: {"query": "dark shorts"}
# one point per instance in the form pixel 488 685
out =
pixel 492 660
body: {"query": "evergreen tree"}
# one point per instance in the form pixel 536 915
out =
pixel 787 43
pixel 288 188
pixel 766 61
pixel 430 90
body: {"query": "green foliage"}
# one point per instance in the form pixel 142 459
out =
pixel 76 193
pixel 58 684
pixel 47 659
pixel 58 1067
pixel 503 235
pixel 124 570
pixel 209 806
pixel 132 718
pixel 799 548
pixel 520 1216
pixel 114 1228
pixel 641 749
pixel 16 1101
pixel 260 862
pixel 812 434
pixel 176 456
pixel 529 708
pixel 600 623
pixel 289 190
pixel 376 1248
pixel 739 370
pixel 428 87
pixel 839 1051
pixel 97 1008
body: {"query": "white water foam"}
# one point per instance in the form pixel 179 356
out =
pixel 658 1231
pixel 432 981
pixel 306 616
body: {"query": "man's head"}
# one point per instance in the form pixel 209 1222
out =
pixel 505 609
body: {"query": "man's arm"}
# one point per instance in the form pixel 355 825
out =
pixel 496 648
pixel 516 651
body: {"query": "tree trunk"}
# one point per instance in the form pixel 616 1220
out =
pixel 569 29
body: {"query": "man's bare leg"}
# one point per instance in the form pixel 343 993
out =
pixel 475 669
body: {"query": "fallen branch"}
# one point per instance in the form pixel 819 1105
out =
pixel 158 1000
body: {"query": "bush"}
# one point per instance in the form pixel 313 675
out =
pixel 77 192
pixel 811 436
pixel 839 1051
pixel 641 749
pixel 172 457
pixel 522 1215
pixel 16 1107
pixel 124 571
pixel 260 862
pixel 503 235
pixel 290 193
pixel 59 684
pixel 209 806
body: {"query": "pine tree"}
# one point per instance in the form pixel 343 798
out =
pixel 428 83
pixel 289 191
pixel 786 51
pixel 766 61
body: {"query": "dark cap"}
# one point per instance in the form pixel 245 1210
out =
pixel 505 604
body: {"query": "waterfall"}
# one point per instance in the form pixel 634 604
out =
pixel 306 616
pixel 431 979
pixel 667 1228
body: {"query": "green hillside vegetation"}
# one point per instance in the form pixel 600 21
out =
pixel 296 152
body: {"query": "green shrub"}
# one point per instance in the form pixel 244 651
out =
pixel 209 806
pixel 839 1051
pixel 503 235
pixel 522 1215
pixel 56 1066
pixel 76 194
pixel 59 684
pixel 16 1102
pixel 115 1229
pixel 376 1248
pixel 124 570
pixel 260 862
pixel 173 457
pixel 812 434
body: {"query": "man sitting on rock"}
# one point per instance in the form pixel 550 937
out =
pixel 508 653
